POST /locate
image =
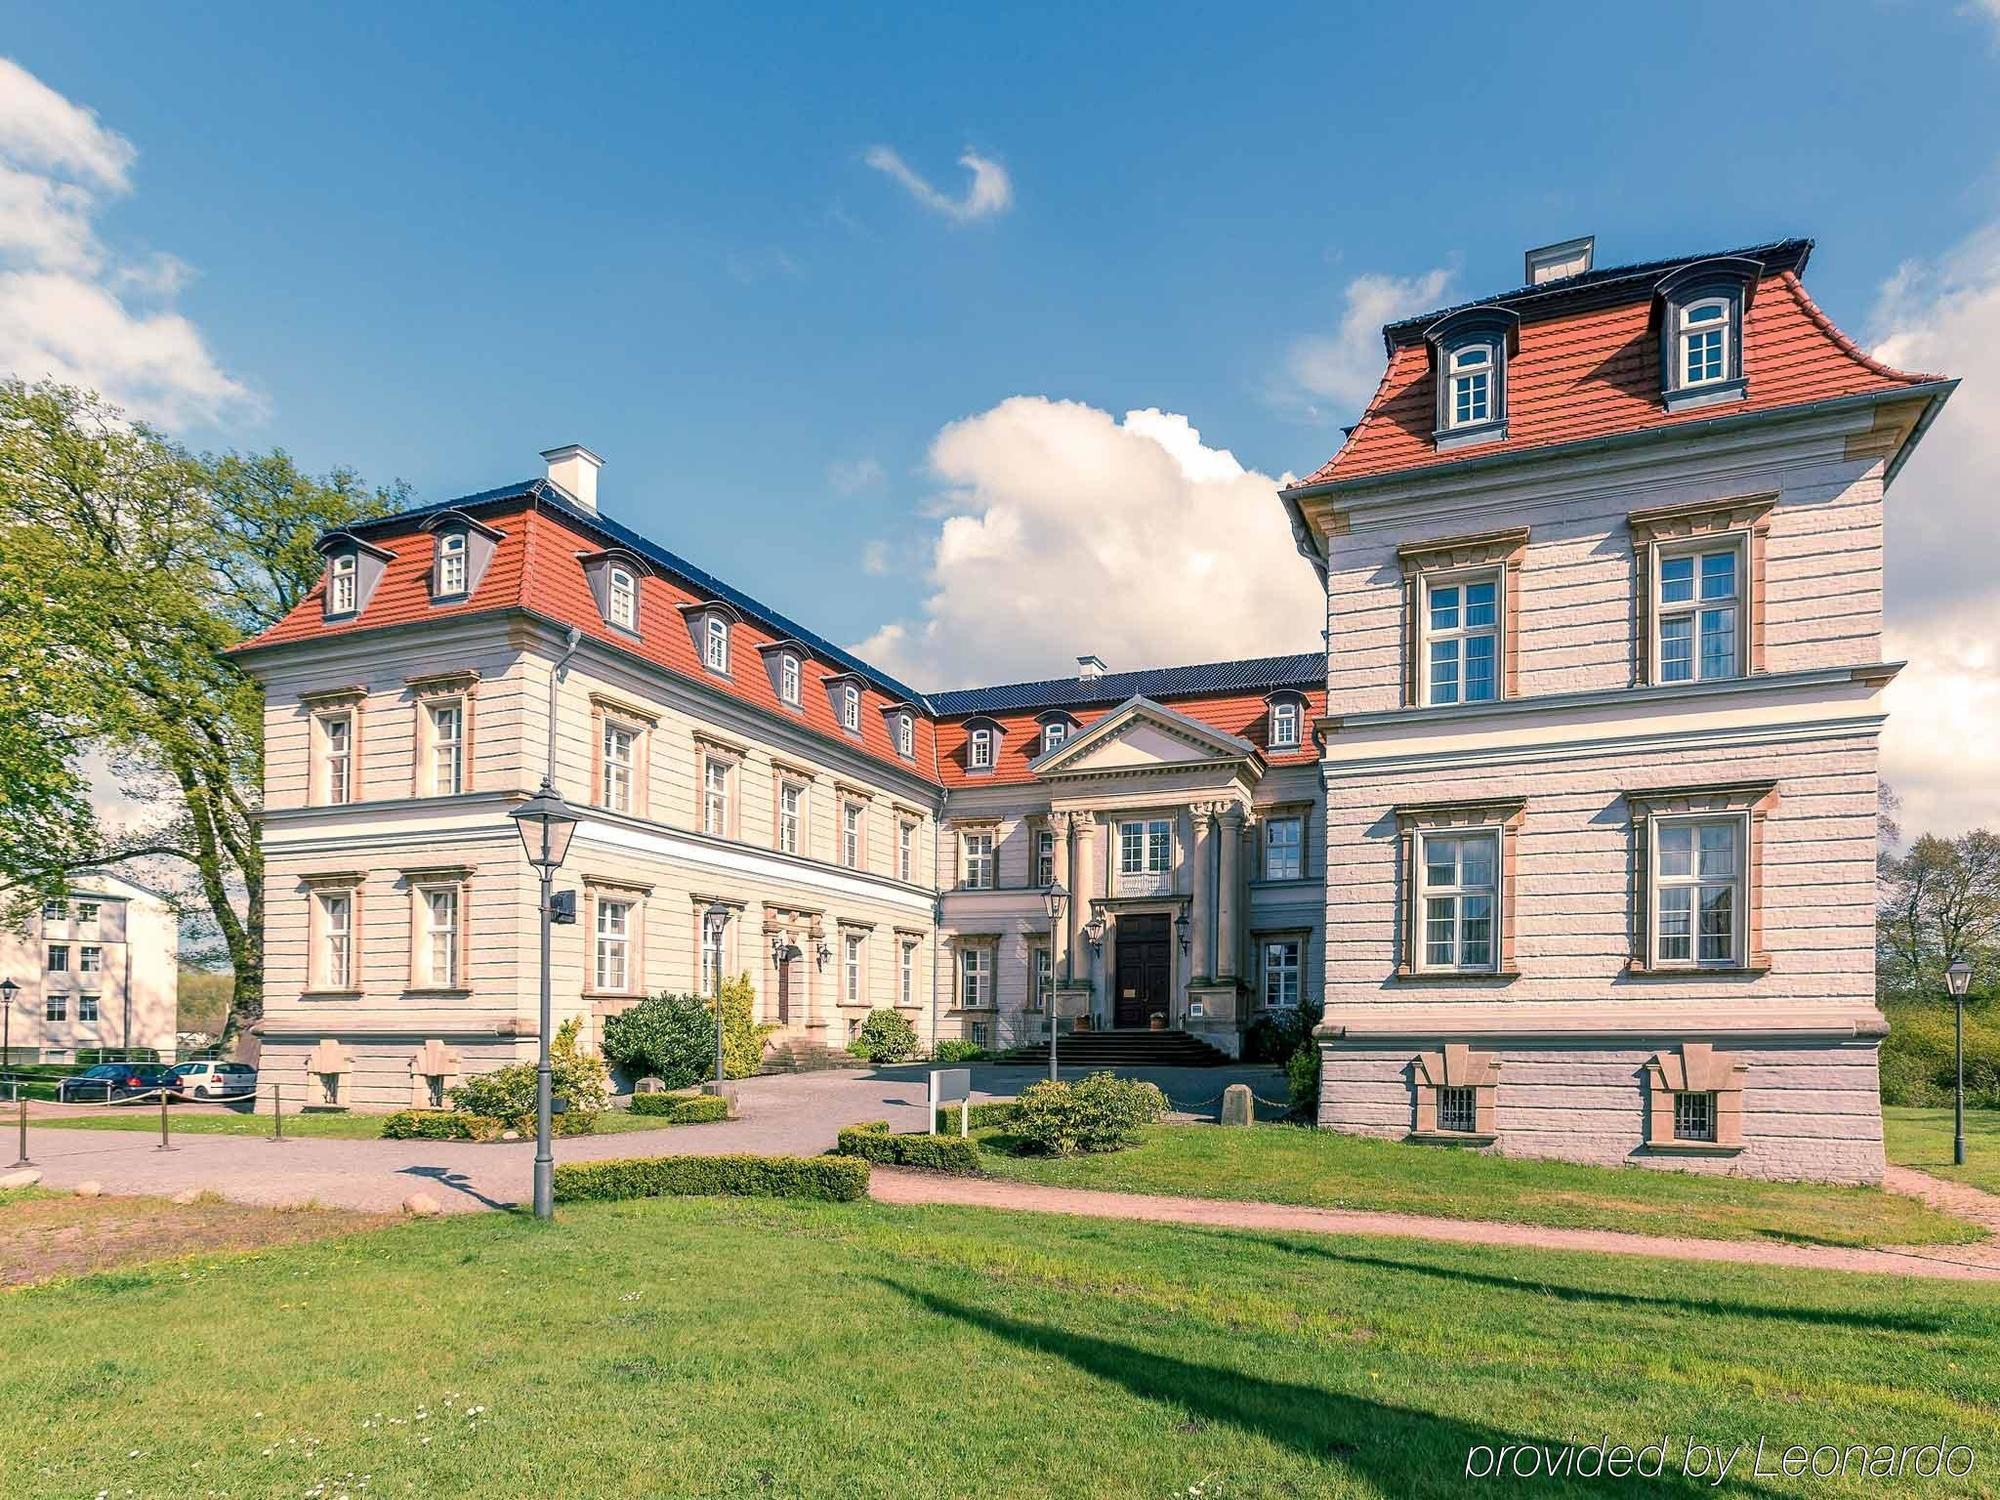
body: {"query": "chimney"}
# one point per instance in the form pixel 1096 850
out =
pixel 575 467
pixel 1558 262
pixel 1089 668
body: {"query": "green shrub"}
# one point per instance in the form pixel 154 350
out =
pixel 1100 1113
pixel 828 1179
pixel 508 1094
pixel 1302 1081
pixel 440 1125
pixel 1917 1065
pixel 682 1109
pixel 1275 1035
pixel 984 1116
pixel 957 1050
pixel 672 1037
pixel 885 1037
pixel 937 1153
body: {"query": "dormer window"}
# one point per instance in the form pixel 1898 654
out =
pixel 340 585
pixel 1699 312
pixel 788 678
pixel 450 582
pixel 850 708
pixel 623 593
pixel 979 750
pixel 906 736
pixel 1703 341
pixel 1469 403
pixel 353 568
pixel 715 644
pixel 1469 353
pixel 1053 734
pixel 1285 724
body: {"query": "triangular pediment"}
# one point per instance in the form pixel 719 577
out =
pixel 1141 735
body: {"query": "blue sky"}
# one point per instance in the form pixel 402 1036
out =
pixel 432 239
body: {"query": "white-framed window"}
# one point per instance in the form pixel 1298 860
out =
pixel 336 939
pixel 447 732
pixel 1470 402
pixel 850 708
pixel 906 975
pixel 788 678
pixel 979 750
pixel 1694 1116
pixel 58 958
pixel 1458 1109
pixel 614 945
pixel 850 834
pixel 715 796
pixel 715 644
pixel 1281 972
pixel 55 1006
pixel 1054 734
pixel 622 595
pixel 86 912
pixel 451 564
pixel 1698 891
pixel 441 920
pixel 1698 605
pixel 906 850
pixel 714 931
pixel 975 966
pixel 1145 848
pixel 86 1008
pixel 906 736
pixel 336 747
pixel 1461 638
pixel 1045 857
pixel 851 944
pixel 1284 724
pixel 1042 982
pixel 980 1034
pixel 1284 848
pixel 791 815
pixel 90 959
pixel 1702 334
pixel 620 755
pixel 979 860
pixel 341 584
pixel 54 911
pixel 1459 901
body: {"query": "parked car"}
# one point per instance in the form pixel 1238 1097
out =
pixel 107 1083
pixel 214 1080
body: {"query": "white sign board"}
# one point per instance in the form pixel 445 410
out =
pixel 952 1086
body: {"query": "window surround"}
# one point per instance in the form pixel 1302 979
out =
pixel 846 693
pixel 616 575
pixel 323 709
pixel 853 960
pixel 979 857
pixel 1749 803
pixel 428 695
pixel 800 788
pixel 710 625
pixel 1499 553
pixel 975 973
pixel 1669 529
pixel 1694 1068
pixel 1266 941
pixel 901 722
pixel 460 546
pixel 319 887
pixel 1054 729
pixel 982 746
pixel 714 755
pixel 906 849
pixel 1286 718
pixel 422 884
pixel 1728 282
pixel 908 941
pixel 1299 813
pixel 851 829
pixel 1470 404
pixel 607 712
pixel 353 569
pixel 785 663
pixel 1502 818
pixel 1455 1066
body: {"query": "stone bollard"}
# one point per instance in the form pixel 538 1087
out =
pixel 1238 1107
pixel 649 1086
pixel 728 1093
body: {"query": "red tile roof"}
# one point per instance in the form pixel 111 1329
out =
pixel 1595 373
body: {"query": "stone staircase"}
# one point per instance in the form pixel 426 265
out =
pixel 1123 1051
pixel 793 1055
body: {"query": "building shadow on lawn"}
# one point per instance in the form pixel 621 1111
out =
pixel 458 1182
pixel 1833 1317
pixel 1400 1451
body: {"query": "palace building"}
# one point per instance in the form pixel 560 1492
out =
pixel 1570 829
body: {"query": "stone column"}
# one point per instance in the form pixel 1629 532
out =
pixel 1201 914
pixel 1228 899
pixel 1060 946
pixel 1083 827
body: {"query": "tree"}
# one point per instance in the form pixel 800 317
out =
pixel 1938 902
pixel 128 568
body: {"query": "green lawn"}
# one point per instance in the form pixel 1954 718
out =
pixel 1290 1164
pixel 711 1347
pixel 323 1127
pixel 1922 1138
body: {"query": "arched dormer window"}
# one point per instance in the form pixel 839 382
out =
pixel 715 644
pixel 982 746
pixel 461 547
pixel 1469 355
pixel 788 677
pixel 850 707
pixel 708 625
pixel 1056 728
pixel 450 581
pixel 353 568
pixel 906 736
pixel 785 665
pixel 1287 721
pixel 340 585
pixel 1700 312
pixel 615 577
pixel 622 591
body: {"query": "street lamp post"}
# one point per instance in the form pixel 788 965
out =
pixel 1056 898
pixel 1958 978
pixel 546 823
pixel 711 942
pixel 8 990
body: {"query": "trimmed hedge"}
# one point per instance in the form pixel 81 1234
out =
pixel 937 1153
pixel 825 1179
pixel 462 1125
pixel 682 1109
pixel 985 1116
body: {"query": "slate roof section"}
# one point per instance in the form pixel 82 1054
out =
pixel 1306 673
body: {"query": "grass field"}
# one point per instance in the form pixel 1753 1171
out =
pixel 708 1347
pixel 1922 1138
pixel 1288 1164
pixel 322 1127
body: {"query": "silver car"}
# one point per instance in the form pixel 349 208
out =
pixel 214 1080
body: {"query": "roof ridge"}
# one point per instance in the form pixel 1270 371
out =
pixel 1178 666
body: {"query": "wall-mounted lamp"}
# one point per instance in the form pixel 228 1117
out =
pixel 1181 930
pixel 1094 929
pixel 825 953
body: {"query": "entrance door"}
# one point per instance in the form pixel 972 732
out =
pixel 1144 970
pixel 785 986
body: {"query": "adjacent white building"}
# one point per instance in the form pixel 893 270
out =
pixel 97 971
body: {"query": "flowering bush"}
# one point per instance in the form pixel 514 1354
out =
pixel 1101 1113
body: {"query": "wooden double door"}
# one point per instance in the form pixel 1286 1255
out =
pixel 1142 970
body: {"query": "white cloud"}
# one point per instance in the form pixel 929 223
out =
pixel 850 476
pixel 70 308
pixel 1063 529
pixel 1341 369
pixel 990 192
pixel 875 559
pixel 1942 747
